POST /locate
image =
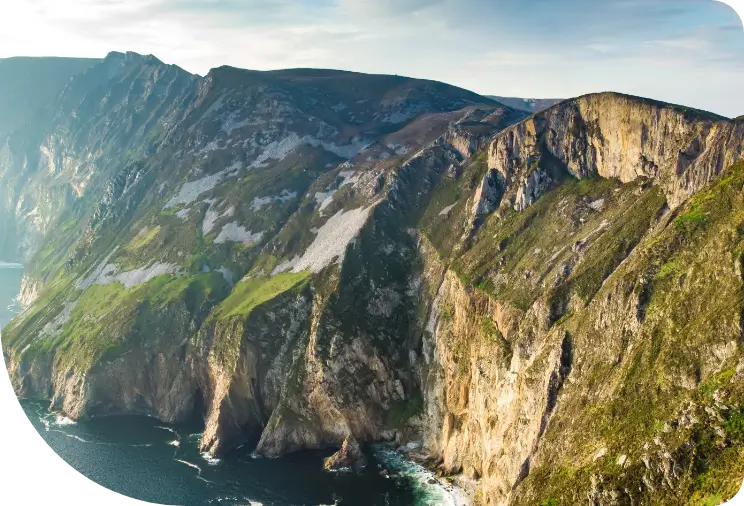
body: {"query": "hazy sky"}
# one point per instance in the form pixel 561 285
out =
pixel 684 51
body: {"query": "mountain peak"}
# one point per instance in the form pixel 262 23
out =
pixel 132 57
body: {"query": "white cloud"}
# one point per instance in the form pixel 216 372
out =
pixel 507 47
pixel 389 7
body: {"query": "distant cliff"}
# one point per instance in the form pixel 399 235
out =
pixel 529 105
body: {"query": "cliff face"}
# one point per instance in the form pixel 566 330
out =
pixel 613 136
pixel 572 354
pixel 107 114
pixel 314 259
pixel 31 86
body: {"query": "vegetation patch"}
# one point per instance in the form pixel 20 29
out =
pixel 707 388
pixel 564 243
pixel 253 292
pixel 143 238
pixel 403 410
pixel 493 333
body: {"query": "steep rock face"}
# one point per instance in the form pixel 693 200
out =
pixel 131 362
pixel 104 118
pixel 492 378
pixel 471 133
pixel 562 363
pixel 29 292
pixel 242 389
pixel 486 198
pixel 615 136
pixel 656 377
pixel 357 364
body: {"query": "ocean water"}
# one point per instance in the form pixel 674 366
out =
pixel 151 461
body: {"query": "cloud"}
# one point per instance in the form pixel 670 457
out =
pixel 389 7
pixel 247 13
pixel 515 47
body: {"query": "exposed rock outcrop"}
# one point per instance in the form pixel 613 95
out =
pixel 616 136
pixel 29 292
pixel 349 456
pixel 493 374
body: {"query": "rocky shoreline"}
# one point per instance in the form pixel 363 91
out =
pixel 409 460
pixel 450 491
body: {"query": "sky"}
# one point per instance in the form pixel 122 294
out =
pixel 683 51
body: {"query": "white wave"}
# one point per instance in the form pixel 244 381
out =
pixel 174 443
pixel 61 421
pixel 172 431
pixel 10 265
pixel 340 470
pixel 212 461
pixel 227 498
pixel 234 499
pixel 428 489
pixel 73 436
pixel 193 466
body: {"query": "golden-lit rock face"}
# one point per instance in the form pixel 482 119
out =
pixel 615 136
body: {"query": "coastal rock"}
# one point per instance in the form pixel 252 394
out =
pixel 349 456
